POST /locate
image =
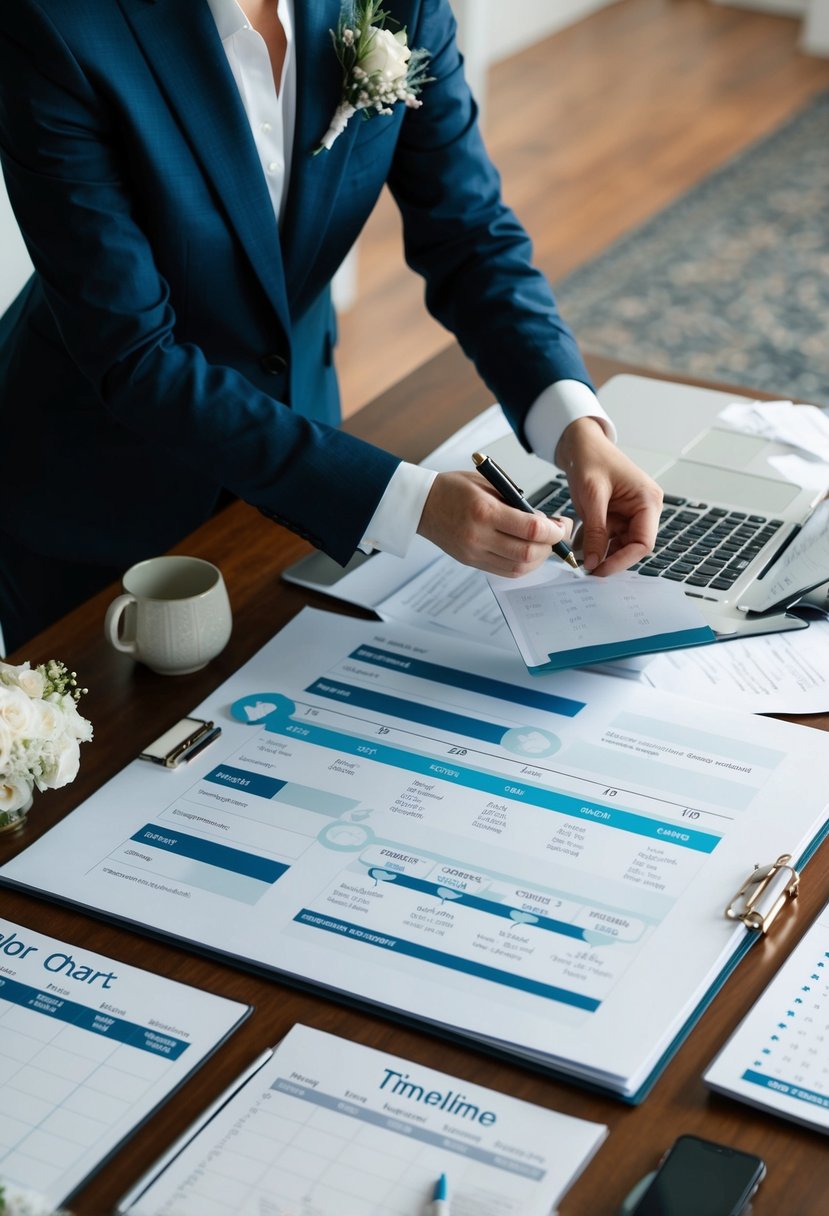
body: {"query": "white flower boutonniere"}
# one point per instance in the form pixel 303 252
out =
pixel 379 69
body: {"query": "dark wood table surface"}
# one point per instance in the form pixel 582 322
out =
pixel 129 705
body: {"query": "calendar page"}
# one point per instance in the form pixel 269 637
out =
pixel 779 1055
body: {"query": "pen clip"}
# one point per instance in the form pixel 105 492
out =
pixel 764 893
pixel 505 476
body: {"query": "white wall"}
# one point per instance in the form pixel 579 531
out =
pixel 15 266
pixel 816 28
pixel 511 27
pixel 814 39
pixel 789 8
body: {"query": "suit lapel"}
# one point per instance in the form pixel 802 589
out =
pixel 181 43
pixel 315 180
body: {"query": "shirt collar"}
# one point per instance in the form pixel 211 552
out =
pixel 228 16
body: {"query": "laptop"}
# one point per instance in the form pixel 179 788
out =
pixel 728 517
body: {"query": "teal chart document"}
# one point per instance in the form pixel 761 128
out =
pixel 539 864
pixel 330 1128
pixel 89 1047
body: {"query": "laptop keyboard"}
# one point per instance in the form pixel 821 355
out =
pixel 696 544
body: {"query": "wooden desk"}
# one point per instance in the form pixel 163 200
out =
pixel 128 705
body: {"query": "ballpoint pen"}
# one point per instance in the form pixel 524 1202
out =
pixel 514 497
pixel 440 1199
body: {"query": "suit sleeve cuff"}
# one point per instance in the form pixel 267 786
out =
pixel 553 411
pixel 393 525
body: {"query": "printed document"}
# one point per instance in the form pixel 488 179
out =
pixel 415 822
pixel 563 618
pixel 89 1047
pixel 328 1127
pixel 777 1058
pixel 776 673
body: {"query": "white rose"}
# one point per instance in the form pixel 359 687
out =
pixel 387 53
pixel 61 767
pixel 6 741
pixel 18 712
pixel 50 720
pixel 75 723
pixel 70 721
pixel 15 792
pixel 30 681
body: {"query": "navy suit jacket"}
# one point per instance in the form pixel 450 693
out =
pixel 172 341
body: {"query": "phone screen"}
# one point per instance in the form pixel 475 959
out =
pixel 699 1176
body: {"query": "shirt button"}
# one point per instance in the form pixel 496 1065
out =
pixel 273 364
pixel 265 126
pixel 274 166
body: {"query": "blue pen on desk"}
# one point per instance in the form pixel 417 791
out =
pixel 513 497
pixel 440 1199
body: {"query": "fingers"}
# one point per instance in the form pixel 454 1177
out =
pixel 595 540
pixel 634 541
pixel 522 542
pixel 469 521
pixel 620 515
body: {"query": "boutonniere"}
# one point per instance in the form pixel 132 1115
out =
pixel 379 69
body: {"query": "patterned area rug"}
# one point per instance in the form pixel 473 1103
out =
pixel 731 282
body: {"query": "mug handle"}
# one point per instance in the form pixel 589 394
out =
pixel 112 622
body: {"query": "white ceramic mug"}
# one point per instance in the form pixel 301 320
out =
pixel 174 615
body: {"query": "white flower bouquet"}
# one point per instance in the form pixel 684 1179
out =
pixel 40 733
pixel 17 1202
pixel 379 68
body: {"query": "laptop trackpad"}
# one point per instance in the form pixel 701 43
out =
pixel 741 491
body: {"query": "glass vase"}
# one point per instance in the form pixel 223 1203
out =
pixel 14 820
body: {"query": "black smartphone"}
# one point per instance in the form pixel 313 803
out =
pixel 698 1176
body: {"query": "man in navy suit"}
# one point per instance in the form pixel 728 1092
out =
pixel 176 339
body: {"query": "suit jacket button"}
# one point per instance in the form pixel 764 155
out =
pixel 273 364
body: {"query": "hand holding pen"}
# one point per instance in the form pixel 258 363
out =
pixel 514 497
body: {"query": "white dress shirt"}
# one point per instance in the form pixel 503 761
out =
pixel 272 114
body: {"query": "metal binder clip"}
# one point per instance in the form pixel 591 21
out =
pixel 764 893
pixel 181 742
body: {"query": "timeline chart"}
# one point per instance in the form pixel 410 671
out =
pixel 329 1128
pixel 474 921
pixel 779 1056
pixel 426 826
pixel 474 682
pixel 566 943
pixel 87 1051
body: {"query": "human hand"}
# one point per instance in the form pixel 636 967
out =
pixel 617 502
pixel 469 521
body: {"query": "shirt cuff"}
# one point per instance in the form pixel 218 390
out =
pixel 559 405
pixel 393 525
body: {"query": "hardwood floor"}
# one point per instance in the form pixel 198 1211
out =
pixel 594 130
